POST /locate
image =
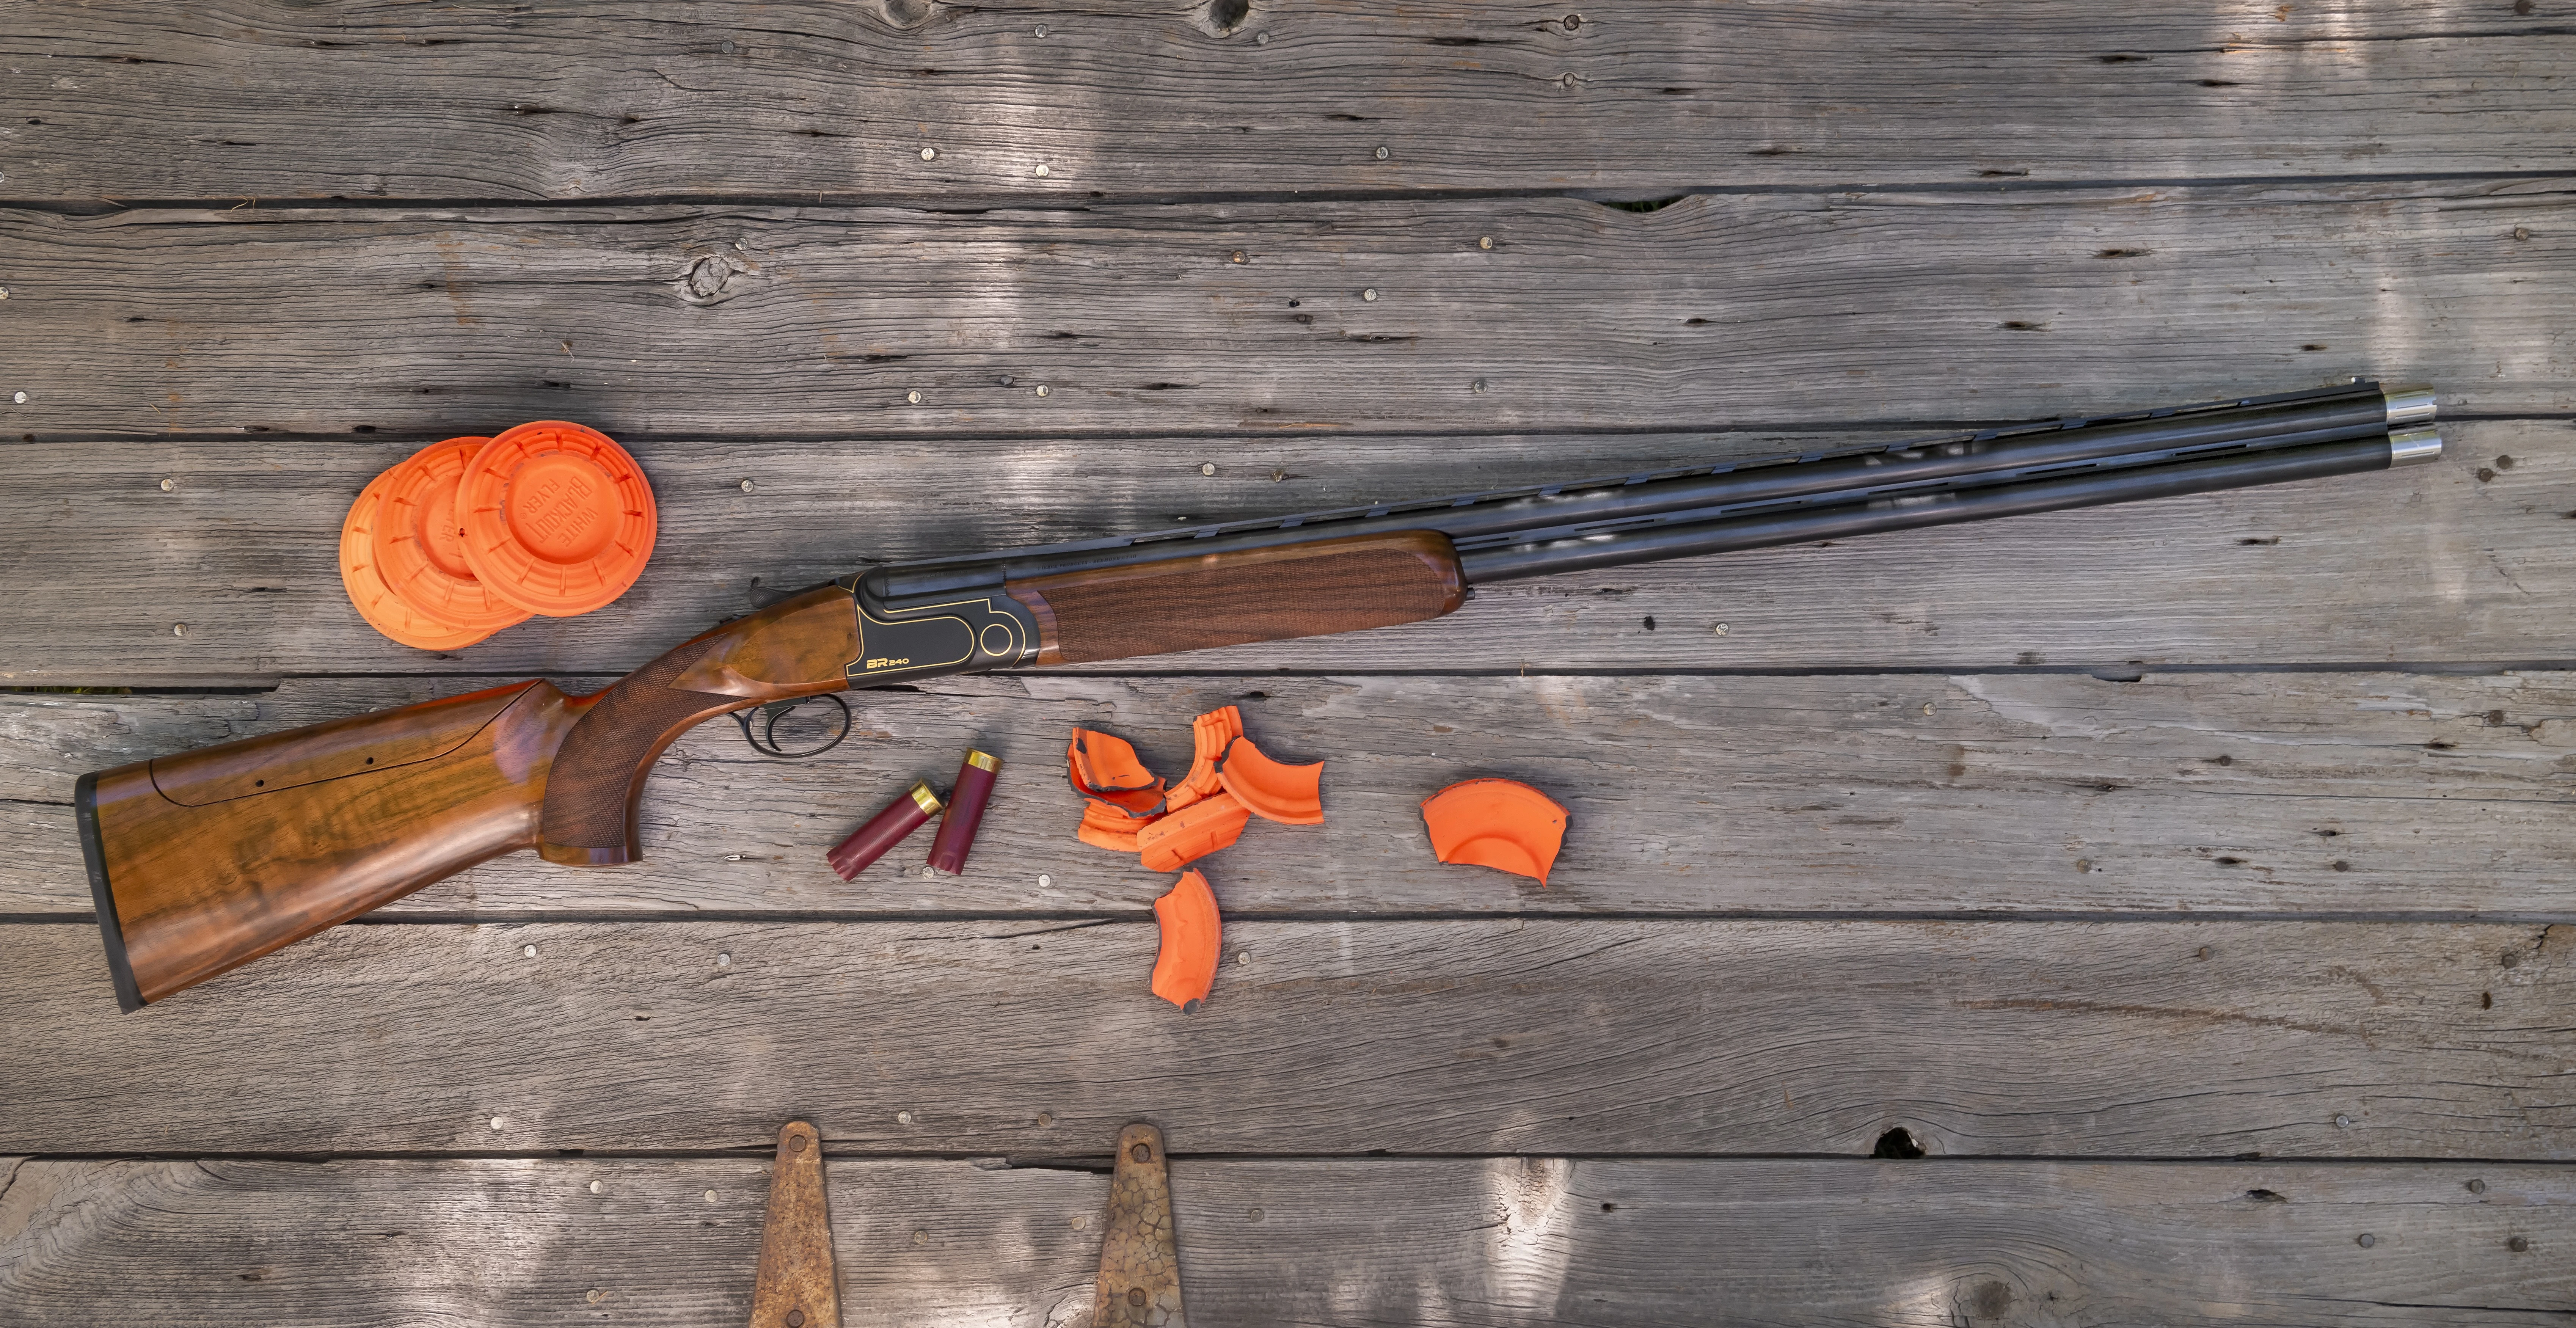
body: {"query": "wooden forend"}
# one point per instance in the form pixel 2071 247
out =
pixel 1228 599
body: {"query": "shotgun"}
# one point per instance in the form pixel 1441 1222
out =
pixel 205 860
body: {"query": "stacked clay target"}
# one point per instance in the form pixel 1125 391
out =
pixel 419 540
pixel 471 535
pixel 558 519
pixel 373 593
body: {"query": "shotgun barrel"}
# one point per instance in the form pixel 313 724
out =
pixel 1690 534
pixel 1964 460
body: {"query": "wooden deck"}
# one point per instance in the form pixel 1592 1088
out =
pixel 2185 881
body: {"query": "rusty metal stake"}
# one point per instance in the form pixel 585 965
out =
pixel 1140 1254
pixel 797 1287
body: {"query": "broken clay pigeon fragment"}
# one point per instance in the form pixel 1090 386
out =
pixel 1104 826
pixel 1498 823
pixel 1105 768
pixel 1185 836
pixel 1288 794
pixel 1185 966
pixel 1213 732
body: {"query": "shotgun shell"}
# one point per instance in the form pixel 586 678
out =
pixel 965 812
pixel 883 831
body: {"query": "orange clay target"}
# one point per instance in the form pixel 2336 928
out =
pixel 375 600
pixel 419 543
pixel 1497 823
pixel 558 519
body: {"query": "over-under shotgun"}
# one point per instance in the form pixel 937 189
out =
pixel 208 859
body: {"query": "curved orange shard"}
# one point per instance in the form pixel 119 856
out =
pixel 1105 767
pixel 1498 823
pixel 1185 966
pixel 1104 826
pixel 1192 833
pixel 1288 794
pixel 1213 732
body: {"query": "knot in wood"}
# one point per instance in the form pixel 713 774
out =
pixel 906 14
pixel 706 277
pixel 1222 17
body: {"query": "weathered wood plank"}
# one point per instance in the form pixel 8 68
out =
pixel 584 100
pixel 2321 794
pixel 1505 1036
pixel 1449 1241
pixel 1721 310
pixel 2460 561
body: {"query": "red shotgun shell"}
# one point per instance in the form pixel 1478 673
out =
pixel 965 812
pixel 883 831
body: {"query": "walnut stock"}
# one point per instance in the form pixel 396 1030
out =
pixel 206 860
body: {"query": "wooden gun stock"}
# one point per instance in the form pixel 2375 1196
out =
pixel 797 647
pixel 207 860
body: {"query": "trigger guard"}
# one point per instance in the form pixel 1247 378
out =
pixel 765 741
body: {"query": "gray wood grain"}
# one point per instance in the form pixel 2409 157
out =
pixel 1503 1036
pixel 1311 1241
pixel 1719 311
pixel 586 100
pixel 2321 794
pixel 2463 561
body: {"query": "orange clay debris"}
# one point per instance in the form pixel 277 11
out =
pixel 1104 826
pixel 1126 808
pixel 1176 839
pixel 1497 823
pixel 1193 935
pixel 1288 794
pixel 1105 769
pixel 1213 732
